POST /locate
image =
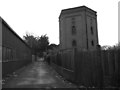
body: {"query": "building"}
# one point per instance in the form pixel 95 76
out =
pixel 15 52
pixel 78 28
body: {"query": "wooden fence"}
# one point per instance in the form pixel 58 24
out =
pixel 88 68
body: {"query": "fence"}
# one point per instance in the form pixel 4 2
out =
pixel 88 68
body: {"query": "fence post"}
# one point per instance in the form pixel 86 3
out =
pixel 115 74
pixel 74 64
pixel 101 80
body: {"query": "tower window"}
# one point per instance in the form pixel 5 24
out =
pixel 91 20
pixel 92 43
pixel 74 44
pixel 73 21
pixel 73 30
pixel 92 30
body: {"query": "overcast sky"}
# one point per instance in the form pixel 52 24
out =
pixel 41 17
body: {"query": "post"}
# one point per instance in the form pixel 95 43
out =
pixel 101 80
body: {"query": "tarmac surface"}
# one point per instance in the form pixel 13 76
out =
pixel 37 75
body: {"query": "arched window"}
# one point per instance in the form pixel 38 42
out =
pixel 92 43
pixel 74 44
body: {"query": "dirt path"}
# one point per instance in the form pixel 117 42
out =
pixel 38 75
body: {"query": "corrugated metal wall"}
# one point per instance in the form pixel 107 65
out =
pixel 15 53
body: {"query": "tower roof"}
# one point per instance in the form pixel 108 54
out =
pixel 76 9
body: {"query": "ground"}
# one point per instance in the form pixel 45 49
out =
pixel 37 75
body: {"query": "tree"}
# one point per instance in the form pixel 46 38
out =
pixel 51 46
pixel 114 47
pixel 31 41
pixel 38 44
pixel 105 47
pixel 43 42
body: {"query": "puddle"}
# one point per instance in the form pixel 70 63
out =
pixel 45 81
pixel 24 83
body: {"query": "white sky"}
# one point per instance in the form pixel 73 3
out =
pixel 41 17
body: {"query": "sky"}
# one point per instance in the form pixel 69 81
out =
pixel 39 17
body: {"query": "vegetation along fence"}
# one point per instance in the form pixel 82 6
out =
pixel 88 68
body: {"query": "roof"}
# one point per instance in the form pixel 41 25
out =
pixel 3 21
pixel 76 9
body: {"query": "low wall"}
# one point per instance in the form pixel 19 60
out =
pixel 66 73
pixel 11 66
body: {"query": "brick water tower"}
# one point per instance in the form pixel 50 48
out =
pixel 78 28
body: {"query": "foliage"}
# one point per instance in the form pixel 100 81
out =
pixel 105 47
pixel 51 46
pixel 38 44
pixel 31 41
pixel 114 47
pixel 43 42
